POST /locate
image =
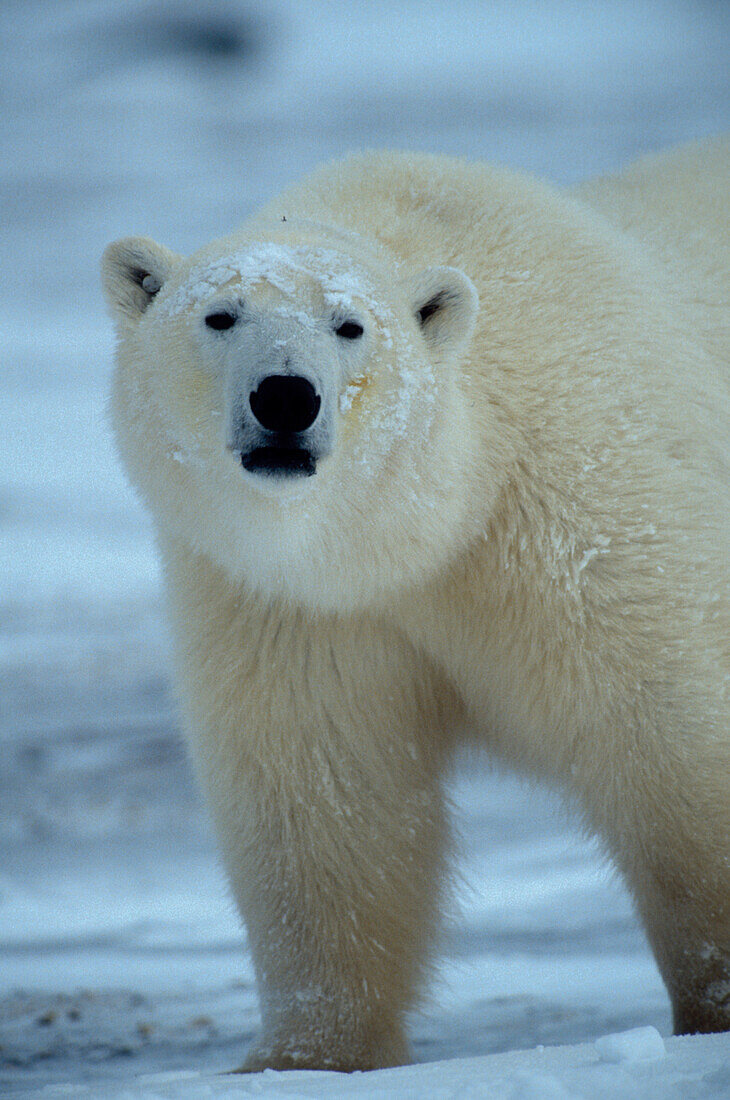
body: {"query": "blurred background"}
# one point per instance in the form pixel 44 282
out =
pixel 175 119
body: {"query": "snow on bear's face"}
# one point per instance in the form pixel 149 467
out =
pixel 292 409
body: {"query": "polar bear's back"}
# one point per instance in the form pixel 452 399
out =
pixel 677 198
pixel 676 205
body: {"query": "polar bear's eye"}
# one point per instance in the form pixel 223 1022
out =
pixel 349 330
pixel 221 320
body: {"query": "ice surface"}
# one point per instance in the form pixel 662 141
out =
pixel 121 956
pixel 693 1068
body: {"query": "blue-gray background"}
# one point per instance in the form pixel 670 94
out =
pixel 118 947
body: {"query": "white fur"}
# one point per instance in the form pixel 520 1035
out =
pixel 518 534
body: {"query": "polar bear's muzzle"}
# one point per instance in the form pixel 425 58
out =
pixel 280 434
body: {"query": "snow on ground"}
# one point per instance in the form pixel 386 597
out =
pixel 123 969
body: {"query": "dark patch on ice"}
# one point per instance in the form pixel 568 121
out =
pixel 603 937
pixel 494 1025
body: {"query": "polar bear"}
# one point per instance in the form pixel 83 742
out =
pixel 436 452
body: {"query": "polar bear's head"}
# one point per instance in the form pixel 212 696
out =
pixel 292 407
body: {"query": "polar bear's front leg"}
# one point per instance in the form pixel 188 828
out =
pixel 319 743
pixel 682 887
pixel 665 810
pixel 335 864
pixel 337 890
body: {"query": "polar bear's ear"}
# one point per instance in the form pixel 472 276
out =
pixel 445 304
pixel 132 272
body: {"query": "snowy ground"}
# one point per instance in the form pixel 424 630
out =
pixel 121 958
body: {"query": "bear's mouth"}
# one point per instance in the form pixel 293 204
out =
pixel 280 461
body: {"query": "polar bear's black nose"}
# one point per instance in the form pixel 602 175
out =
pixel 285 403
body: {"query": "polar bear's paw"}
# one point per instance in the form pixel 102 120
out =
pixel 390 1050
